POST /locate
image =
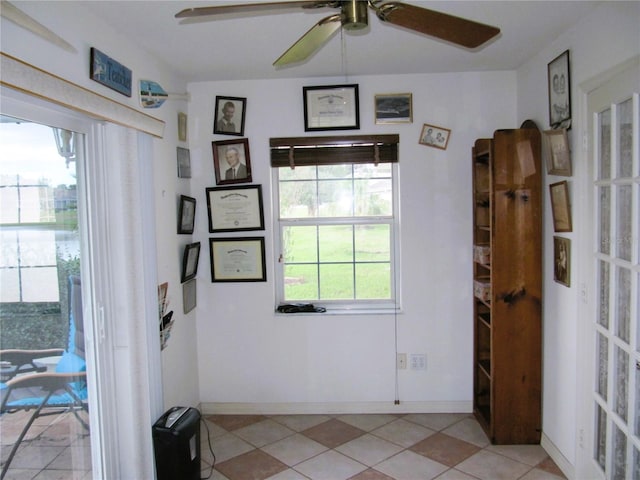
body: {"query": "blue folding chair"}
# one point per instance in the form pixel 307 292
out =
pixel 50 393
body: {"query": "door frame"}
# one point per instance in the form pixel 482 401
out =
pixel 587 281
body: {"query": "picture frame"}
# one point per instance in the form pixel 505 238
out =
pixel 238 259
pixel 560 207
pixel 182 127
pixel 234 209
pixel 393 108
pixel 562 260
pixel 558 152
pixel 189 296
pixel 184 162
pixel 224 157
pixel 190 261
pixel 559 87
pixel 331 107
pixel 434 136
pixel 186 214
pixel 230 113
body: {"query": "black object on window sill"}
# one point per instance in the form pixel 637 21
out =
pixel 300 308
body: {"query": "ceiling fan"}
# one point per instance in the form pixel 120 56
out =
pixel 354 16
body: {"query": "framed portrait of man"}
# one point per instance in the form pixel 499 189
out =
pixel 231 161
pixel 229 116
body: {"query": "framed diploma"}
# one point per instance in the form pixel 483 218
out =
pixel 234 209
pixel 334 107
pixel 238 259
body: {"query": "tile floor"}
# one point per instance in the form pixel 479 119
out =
pixel 57 447
pixel 291 447
pixel 364 447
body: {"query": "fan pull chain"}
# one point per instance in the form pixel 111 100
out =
pixel 343 44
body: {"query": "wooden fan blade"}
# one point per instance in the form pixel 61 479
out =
pixel 251 7
pixel 311 41
pixel 436 24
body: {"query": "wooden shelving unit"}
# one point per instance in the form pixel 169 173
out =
pixel 507 285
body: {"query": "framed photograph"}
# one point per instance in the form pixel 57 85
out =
pixel 189 300
pixel 559 91
pixel 558 152
pixel 560 208
pixel 182 127
pixel 229 116
pixel 231 161
pixel 184 162
pixel 186 214
pixel 190 261
pixel 233 209
pixel 238 259
pixel 393 108
pixel 433 136
pixel 562 260
pixel 331 107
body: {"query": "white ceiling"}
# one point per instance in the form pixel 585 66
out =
pixel 230 47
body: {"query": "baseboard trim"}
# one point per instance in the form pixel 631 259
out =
pixel 561 461
pixel 236 408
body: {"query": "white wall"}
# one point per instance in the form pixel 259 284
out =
pixel 599 42
pixel 83 30
pixel 248 355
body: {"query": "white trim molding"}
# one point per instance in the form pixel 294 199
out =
pixel 26 78
pixel 233 408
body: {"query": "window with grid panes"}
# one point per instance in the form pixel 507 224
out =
pixel 336 221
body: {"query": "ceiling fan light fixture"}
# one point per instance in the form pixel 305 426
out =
pixel 355 15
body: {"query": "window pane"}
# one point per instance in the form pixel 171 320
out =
pixel 335 198
pixel 373 243
pixel 625 216
pixel 298 199
pixel 605 219
pixel 601 437
pixel 10 291
pixel 37 247
pixel 605 144
pixel 336 243
pixel 300 282
pixel 297 173
pixel 619 457
pixel 299 244
pixel 373 281
pixel 335 171
pixel 8 200
pixel 623 307
pixel 369 170
pixel 373 197
pixel 625 139
pixel 621 383
pixel 336 282
pixel 40 284
pixel 604 285
pixel 603 366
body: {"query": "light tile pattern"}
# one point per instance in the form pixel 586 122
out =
pixel 364 447
pixel 302 447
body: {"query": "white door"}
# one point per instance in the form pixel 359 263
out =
pixel 609 434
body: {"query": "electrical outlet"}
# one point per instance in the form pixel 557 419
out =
pixel 401 361
pixel 418 361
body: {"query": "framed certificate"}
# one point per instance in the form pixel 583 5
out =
pixel 234 209
pixel 238 259
pixel 334 107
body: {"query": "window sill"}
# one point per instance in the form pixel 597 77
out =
pixel 343 311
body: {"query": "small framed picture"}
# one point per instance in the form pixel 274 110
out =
pixel 189 299
pixel 558 152
pixel 331 107
pixel 229 116
pixel 562 260
pixel 559 91
pixel 186 214
pixel 190 261
pixel 238 259
pixel 433 136
pixel 233 209
pixel 182 127
pixel 231 161
pixel 560 208
pixel 393 108
pixel 184 162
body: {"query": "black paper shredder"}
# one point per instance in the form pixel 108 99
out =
pixel 176 442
